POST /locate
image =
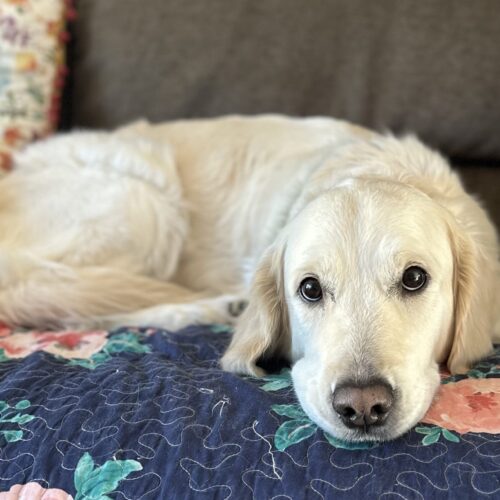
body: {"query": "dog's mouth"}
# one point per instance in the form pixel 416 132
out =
pixel 369 433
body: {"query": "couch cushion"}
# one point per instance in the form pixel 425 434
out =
pixel 430 67
pixel 484 182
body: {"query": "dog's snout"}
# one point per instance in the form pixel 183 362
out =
pixel 363 405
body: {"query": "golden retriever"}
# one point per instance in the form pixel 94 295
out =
pixel 362 258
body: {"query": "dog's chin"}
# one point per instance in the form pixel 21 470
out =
pixel 391 430
pixel 387 432
pixel 363 436
pixel 337 429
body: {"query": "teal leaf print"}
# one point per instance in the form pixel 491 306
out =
pixel 220 328
pixel 483 364
pixel 282 380
pixel 12 436
pixel 430 438
pixel 22 405
pixel 293 432
pixel 94 483
pixel 289 410
pixel 83 469
pixel 476 374
pixel 3 357
pixel 91 363
pixel 126 342
pixel 433 433
pixel 121 342
pixel 21 419
pixel 10 417
pixel 451 379
pixel 346 445
pixel 450 436
pixel 424 430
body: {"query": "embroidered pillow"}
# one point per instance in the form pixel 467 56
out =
pixel 32 70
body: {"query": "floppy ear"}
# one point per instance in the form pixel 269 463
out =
pixel 263 328
pixel 475 283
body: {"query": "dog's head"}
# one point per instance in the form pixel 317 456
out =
pixel 369 287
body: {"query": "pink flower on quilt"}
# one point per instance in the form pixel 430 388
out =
pixel 67 344
pixel 470 405
pixel 5 330
pixel 33 491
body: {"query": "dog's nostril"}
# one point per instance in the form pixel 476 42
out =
pixel 363 405
pixel 348 412
pixel 379 410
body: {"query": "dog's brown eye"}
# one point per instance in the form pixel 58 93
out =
pixel 414 278
pixel 310 289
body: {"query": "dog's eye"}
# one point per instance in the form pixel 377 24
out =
pixel 414 278
pixel 310 290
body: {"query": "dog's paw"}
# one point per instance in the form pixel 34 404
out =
pixel 232 364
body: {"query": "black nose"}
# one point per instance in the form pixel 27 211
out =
pixel 363 405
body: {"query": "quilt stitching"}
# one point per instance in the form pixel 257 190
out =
pixel 160 401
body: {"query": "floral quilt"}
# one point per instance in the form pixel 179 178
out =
pixel 148 414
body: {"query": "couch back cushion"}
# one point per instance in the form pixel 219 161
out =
pixel 405 65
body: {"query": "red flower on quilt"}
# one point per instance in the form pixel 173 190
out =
pixel 68 344
pixel 479 401
pixel 5 330
pixel 470 405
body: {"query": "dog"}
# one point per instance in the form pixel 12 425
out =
pixel 362 259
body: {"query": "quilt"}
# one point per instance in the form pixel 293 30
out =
pixel 149 414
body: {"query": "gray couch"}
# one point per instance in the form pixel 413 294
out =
pixel 432 67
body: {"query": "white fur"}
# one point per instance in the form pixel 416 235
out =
pixel 165 225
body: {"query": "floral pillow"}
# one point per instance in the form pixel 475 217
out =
pixel 32 36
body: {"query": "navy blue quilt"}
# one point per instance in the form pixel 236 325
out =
pixel 148 414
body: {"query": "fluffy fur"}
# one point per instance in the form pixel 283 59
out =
pixel 166 225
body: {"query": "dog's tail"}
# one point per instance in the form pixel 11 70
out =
pixel 40 293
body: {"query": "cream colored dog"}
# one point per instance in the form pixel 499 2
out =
pixel 362 258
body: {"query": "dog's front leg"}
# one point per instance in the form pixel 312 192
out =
pixel 219 309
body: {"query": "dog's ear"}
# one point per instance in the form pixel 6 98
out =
pixel 263 328
pixel 475 282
